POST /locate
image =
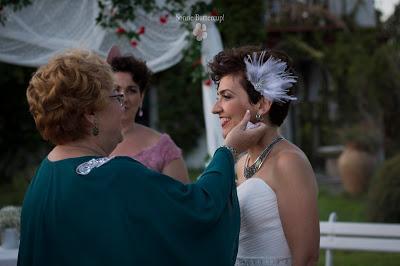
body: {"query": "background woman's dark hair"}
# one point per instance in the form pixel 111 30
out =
pixel 231 62
pixel 137 68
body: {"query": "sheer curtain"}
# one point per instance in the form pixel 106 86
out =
pixel 35 33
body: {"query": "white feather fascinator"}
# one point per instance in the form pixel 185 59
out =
pixel 270 78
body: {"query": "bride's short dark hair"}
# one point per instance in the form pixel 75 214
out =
pixel 231 62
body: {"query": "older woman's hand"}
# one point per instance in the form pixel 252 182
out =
pixel 241 138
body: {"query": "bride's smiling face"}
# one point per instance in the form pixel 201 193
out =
pixel 232 103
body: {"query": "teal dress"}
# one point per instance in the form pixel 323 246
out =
pixel 122 213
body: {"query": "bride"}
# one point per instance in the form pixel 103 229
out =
pixel 276 184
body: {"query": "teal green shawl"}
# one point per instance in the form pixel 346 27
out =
pixel 125 214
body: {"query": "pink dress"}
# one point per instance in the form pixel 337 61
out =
pixel 160 154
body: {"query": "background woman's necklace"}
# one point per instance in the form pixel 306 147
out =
pixel 84 149
pixel 249 171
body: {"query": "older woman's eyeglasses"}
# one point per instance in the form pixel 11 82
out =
pixel 119 97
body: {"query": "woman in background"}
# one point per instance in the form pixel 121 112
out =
pixel 155 150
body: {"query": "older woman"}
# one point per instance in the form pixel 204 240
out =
pixel 155 150
pixel 277 189
pixel 83 208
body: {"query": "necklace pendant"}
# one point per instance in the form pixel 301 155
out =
pixel 251 170
pixel 248 172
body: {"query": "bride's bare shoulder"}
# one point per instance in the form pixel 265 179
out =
pixel 292 166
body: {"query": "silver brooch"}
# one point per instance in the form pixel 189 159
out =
pixel 86 167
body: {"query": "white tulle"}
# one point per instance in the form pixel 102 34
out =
pixel 35 33
pixel 46 27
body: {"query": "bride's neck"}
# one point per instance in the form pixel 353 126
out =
pixel 255 150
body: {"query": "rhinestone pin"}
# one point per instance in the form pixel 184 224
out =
pixel 86 167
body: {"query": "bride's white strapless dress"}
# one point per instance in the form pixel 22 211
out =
pixel 261 239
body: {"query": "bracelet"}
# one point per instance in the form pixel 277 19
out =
pixel 233 151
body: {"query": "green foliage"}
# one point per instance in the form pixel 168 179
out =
pixel 13 193
pixel 179 100
pixel 347 208
pixel 362 69
pixel 392 25
pixel 114 14
pixel 19 141
pixel 300 47
pixel 386 93
pixel 306 131
pixel 384 194
pixel 243 22
pixel 366 73
pixel 359 258
pixel 349 60
pixel 363 74
pixel 360 136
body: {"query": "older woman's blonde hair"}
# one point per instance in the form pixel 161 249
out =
pixel 60 93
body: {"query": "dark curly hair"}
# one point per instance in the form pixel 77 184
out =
pixel 231 62
pixel 138 70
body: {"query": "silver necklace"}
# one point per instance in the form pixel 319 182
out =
pixel 83 148
pixel 249 171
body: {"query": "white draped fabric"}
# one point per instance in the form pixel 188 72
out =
pixel 31 36
pixel 210 47
pixel 37 32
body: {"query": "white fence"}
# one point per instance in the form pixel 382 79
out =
pixel 358 236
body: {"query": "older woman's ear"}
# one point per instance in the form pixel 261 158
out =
pixel 112 53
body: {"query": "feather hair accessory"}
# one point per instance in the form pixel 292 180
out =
pixel 270 78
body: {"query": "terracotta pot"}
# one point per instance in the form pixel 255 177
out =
pixel 355 169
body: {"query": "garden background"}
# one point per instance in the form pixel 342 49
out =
pixel 349 98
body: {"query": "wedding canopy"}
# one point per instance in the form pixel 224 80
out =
pixel 46 27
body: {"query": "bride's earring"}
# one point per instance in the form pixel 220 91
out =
pixel 258 117
pixel 140 111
